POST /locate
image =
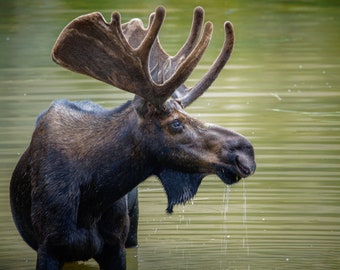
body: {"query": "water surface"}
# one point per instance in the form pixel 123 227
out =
pixel 281 89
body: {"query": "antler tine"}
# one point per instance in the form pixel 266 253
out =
pixel 172 63
pixel 155 23
pixel 196 27
pixel 187 66
pixel 193 93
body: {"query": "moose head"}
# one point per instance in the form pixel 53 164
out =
pixel 130 57
pixel 68 190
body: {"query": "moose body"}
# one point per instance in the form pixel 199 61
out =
pixel 68 190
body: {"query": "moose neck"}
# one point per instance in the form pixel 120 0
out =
pixel 122 161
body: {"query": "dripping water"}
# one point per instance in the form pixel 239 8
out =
pixel 225 217
pixel 244 219
pixel 245 225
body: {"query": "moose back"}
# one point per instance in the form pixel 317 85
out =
pixel 68 190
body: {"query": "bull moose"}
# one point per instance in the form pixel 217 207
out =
pixel 68 190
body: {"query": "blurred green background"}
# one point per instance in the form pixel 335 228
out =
pixel 281 89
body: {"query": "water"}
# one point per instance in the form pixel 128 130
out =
pixel 281 89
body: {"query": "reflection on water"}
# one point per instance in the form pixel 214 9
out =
pixel 281 90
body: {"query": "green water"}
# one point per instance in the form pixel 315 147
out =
pixel 281 89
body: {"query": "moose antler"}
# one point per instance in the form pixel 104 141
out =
pixel 162 66
pixel 91 46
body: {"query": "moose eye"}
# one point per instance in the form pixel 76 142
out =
pixel 176 126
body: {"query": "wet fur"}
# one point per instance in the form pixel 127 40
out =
pixel 53 192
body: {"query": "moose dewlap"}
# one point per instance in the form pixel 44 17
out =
pixel 69 189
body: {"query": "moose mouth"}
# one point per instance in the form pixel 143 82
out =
pixel 228 175
pixel 232 174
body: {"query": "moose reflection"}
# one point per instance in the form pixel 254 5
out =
pixel 68 190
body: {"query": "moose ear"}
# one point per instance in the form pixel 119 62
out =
pixel 179 187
